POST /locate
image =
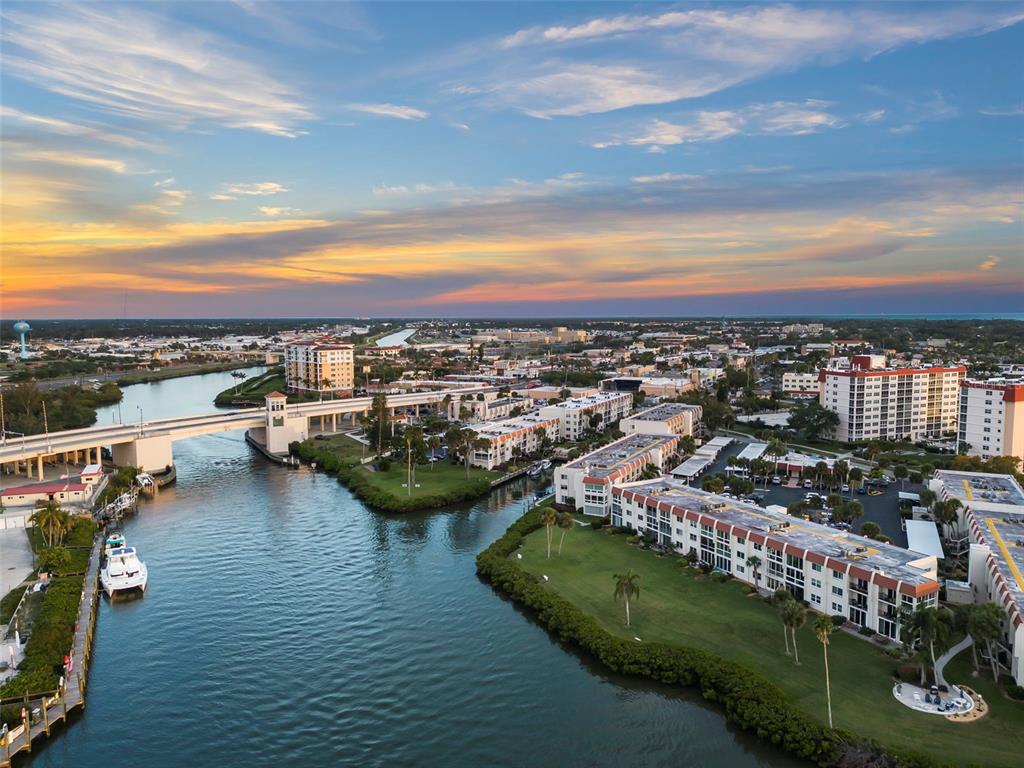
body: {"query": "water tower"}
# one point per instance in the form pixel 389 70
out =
pixel 21 328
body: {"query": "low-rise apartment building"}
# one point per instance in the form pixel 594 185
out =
pixel 510 438
pixel 575 414
pixel 491 408
pixel 800 384
pixel 891 403
pixel 993 514
pixel 837 573
pixel 992 418
pixel 665 419
pixel 321 365
pixel 586 483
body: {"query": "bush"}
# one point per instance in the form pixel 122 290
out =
pixel 838 620
pixel 1015 691
pixel 720 578
pixel 750 701
pixel 866 631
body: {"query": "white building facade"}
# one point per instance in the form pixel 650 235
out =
pixel 574 415
pixel 510 438
pixel 992 418
pixel 892 403
pixel 321 366
pixel 665 419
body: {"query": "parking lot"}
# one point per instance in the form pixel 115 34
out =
pixel 883 509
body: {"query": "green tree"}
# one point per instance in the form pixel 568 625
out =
pixel 627 587
pixel 856 476
pixel 754 564
pixel 54 560
pixel 52 521
pixel 434 442
pixel 780 599
pixel 812 420
pixel 549 519
pixel 823 628
pixel 793 616
pixel 900 472
pixel 870 529
pixel 566 522
pixel 985 625
pixel 933 627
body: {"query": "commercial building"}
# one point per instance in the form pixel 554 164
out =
pixel 993 514
pixel 664 419
pixel 992 418
pixel 321 365
pixel 800 384
pixel 575 414
pixel 891 403
pixel 511 437
pixel 835 572
pixel 586 483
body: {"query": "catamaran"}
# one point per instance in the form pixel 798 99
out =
pixel 123 572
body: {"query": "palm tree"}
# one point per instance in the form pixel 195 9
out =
pixel 776 448
pixel 566 523
pixel 985 625
pixel 627 586
pixel 823 628
pixel 856 476
pixel 793 616
pixel 934 627
pixel 549 519
pixel 754 564
pixel 780 599
pixel 434 442
pixel 900 472
pixel 52 521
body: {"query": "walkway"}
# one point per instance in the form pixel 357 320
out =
pixel 50 708
pixel 16 556
pixel 944 659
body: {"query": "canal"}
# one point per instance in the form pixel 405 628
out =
pixel 287 624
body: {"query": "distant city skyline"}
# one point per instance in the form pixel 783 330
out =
pixel 510 160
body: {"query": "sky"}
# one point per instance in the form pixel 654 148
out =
pixel 250 159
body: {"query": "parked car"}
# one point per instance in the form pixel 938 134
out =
pixel 808 484
pixel 862 489
pixel 845 488
pixel 776 480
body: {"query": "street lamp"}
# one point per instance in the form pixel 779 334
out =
pixel 142 432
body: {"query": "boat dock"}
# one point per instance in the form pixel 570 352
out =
pixel 44 710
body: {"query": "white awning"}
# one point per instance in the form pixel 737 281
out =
pixel 923 537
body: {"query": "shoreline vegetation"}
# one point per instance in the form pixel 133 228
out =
pixel 251 391
pixel 53 614
pixel 179 371
pixel 383 488
pixel 697 631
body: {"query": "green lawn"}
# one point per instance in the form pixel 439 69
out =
pixel 441 477
pixel 678 607
pixel 252 389
pixel 345 447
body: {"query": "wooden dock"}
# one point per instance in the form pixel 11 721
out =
pixel 45 710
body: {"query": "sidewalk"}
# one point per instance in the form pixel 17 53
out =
pixel 16 557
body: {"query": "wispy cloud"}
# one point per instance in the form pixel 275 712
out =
pixel 249 189
pixel 268 210
pixel 129 62
pixel 698 52
pixel 67 128
pixel 1016 111
pixel 989 264
pixel 780 118
pixel 665 178
pixel 73 158
pixel 391 110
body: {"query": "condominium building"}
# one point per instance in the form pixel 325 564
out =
pixel 891 403
pixel 575 414
pixel 320 365
pixel 664 419
pixel 800 384
pixel 992 418
pixel 586 483
pixel 837 573
pixel 511 437
pixel 993 514
pixel 491 408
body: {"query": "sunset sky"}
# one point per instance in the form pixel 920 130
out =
pixel 496 159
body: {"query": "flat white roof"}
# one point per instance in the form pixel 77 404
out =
pixel 923 537
pixel 753 451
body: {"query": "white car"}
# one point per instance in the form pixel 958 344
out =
pixel 808 484
pixel 846 488
pixel 776 480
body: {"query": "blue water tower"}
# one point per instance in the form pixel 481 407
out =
pixel 21 328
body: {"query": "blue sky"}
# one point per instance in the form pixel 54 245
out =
pixel 531 159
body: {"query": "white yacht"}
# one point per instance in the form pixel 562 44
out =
pixel 123 572
pixel 545 464
pixel 114 541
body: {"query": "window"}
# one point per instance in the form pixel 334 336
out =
pixel 837 607
pixel 816 583
pixel 838 591
pixel 816 599
pixel 815 567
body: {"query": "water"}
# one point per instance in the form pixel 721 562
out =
pixel 286 624
pixel 396 339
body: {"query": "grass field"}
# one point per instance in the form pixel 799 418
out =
pixel 252 389
pixel 177 371
pixel 678 607
pixel 440 478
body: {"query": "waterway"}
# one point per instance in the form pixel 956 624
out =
pixel 396 339
pixel 287 624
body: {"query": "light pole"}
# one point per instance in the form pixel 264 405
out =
pixel 142 432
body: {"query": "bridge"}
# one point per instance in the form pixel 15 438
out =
pixel 147 444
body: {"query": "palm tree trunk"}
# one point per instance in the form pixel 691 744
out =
pixel 785 635
pixel 796 654
pixel 828 689
pixel 992 661
pixel 548 527
pixel 627 611
pixel 560 542
pixel 974 655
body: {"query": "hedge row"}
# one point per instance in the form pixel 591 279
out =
pixel 353 477
pixel 749 700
